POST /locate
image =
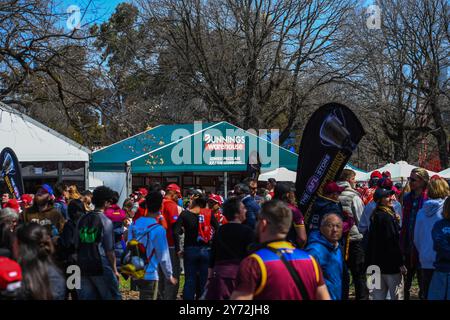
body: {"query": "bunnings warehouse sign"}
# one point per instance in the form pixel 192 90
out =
pixel 227 143
pixel 222 146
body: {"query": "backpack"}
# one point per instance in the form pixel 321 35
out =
pixel 205 232
pixel 89 234
pixel 134 260
pixel 66 242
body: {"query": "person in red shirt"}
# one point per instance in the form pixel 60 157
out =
pixel 215 204
pixel 367 196
pixel 170 213
pixel 265 276
pixel 141 210
pixel 271 183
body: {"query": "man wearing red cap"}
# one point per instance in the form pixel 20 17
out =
pixel 367 196
pixel 141 210
pixel 215 204
pixel 170 212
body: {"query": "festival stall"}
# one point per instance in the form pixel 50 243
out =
pixel 45 155
pixel 213 156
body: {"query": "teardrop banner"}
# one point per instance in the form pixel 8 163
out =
pixel 11 172
pixel 329 139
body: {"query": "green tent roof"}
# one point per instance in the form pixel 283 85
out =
pixel 178 148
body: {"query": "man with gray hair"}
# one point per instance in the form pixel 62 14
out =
pixel 325 248
pixel 277 270
pixel 9 217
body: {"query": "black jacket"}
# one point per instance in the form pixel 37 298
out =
pixel 384 243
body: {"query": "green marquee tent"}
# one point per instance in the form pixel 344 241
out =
pixel 194 147
pixel 186 148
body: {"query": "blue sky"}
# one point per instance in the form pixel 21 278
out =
pixel 92 11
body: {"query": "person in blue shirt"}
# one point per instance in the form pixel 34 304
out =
pixel 153 236
pixel 440 283
pixel 324 247
pixel 242 191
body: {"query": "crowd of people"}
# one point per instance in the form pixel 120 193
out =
pixel 255 244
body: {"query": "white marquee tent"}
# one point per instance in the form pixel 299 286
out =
pixel 34 142
pixel 283 174
pixel 400 170
pixel 445 173
pixel 280 174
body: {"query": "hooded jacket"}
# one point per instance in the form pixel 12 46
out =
pixel 352 203
pixel 441 241
pixel 331 261
pixel 253 210
pixel 428 215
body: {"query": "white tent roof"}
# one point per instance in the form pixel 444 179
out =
pixel 280 174
pixel 445 173
pixel 32 141
pixel 400 170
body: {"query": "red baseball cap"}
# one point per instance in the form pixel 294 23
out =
pixel 26 199
pixel 332 187
pixel 435 177
pixel 385 183
pixel 143 191
pixel 173 187
pixel 216 198
pixel 376 174
pixel 13 204
pixel 10 274
pixel 387 174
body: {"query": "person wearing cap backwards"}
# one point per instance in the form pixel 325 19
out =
pixel 383 248
pixel 44 213
pixel 215 204
pixel 412 203
pixel 170 212
pixel 367 196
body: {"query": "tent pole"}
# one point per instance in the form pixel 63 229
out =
pixel 128 178
pixel 86 175
pixel 225 184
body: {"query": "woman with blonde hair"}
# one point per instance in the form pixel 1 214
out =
pixel 428 215
pixel 73 193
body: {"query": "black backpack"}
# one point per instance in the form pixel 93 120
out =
pixel 89 236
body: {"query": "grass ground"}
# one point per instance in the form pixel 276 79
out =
pixel 129 294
